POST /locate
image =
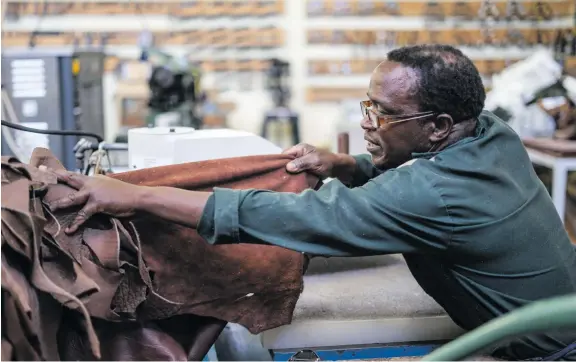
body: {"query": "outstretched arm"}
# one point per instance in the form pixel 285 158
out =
pixel 100 194
pixel 397 212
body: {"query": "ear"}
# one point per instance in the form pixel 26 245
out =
pixel 442 127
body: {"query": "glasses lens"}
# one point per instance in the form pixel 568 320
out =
pixel 372 117
pixel 363 108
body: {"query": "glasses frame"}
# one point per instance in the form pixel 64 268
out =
pixel 378 119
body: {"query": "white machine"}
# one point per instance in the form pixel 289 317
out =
pixel 348 304
pixel 160 146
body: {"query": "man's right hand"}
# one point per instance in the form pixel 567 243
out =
pixel 320 162
pixel 94 195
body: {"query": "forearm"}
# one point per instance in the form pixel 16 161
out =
pixel 176 205
pixel 333 221
pixel 355 171
pixel 344 168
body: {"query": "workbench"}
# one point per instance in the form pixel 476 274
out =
pixel 560 157
pixel 360 308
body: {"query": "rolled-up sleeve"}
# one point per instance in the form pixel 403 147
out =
pixel 396 212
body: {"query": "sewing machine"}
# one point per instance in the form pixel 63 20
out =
pixel 158 146
pixel 351 308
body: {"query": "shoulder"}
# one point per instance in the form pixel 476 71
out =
pixel 409 193
pixel 413 186
pixel 417 172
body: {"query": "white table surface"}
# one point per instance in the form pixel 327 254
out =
pixel 560 167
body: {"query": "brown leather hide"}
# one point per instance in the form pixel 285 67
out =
pixel 138 288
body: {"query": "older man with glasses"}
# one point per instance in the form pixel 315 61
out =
pixel 446 184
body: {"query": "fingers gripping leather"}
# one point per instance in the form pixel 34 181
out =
pixel 139 288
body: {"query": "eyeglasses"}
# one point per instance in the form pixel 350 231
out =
pixel 378 119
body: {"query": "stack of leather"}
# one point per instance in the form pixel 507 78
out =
pixel 545 175
pixel 565 118
pixel 570 217
pixel 564 114
pixel 138 288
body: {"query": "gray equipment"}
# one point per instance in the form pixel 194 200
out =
pixel 354 307
pixel 53 90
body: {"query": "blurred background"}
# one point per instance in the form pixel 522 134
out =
pixel 242 64
pixel 288 71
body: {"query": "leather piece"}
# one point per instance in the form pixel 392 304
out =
pixel 138 288
pixel 554 147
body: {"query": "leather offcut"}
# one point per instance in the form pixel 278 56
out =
pixel 138 288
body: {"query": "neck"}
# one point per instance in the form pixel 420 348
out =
pixel 459 131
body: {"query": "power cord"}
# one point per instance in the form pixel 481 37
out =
pixel 53 132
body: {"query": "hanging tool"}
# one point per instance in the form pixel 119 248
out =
pixel 462 11
pixel 488 12
pixel 541 12
pixel 433 12
pixel 366 7
pixel 516 38
pixel 387 7
pixel 515 11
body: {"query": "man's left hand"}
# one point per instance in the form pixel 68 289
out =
pixel 96 194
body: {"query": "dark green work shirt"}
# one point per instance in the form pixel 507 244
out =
pixel 475 224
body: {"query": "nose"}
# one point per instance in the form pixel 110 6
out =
pixel 367 124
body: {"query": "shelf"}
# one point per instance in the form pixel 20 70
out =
pixel 134 23
pixel 331 81
pixel 436 9
pixel 445 36
pixel 378 52
pixel 334 94
pixel 179 9
pixel 192 53
pixel 348 69
pixel 239 38
pixel 420 23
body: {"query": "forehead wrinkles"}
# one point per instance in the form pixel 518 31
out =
pixel 399 80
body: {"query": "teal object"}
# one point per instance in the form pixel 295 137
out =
pixel 211 356
pixel 474 223
pixel 367 353
pixel 541 316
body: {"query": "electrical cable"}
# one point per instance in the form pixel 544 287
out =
pixel 53 132
pixel 15 125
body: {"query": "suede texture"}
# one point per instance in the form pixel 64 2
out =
pixel 138 288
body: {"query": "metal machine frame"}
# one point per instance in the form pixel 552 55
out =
pixel 57 90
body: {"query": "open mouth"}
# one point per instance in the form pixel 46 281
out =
pixel 371 146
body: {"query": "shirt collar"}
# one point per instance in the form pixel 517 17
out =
pixel 479 133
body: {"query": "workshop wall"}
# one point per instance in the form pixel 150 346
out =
pixel 331 46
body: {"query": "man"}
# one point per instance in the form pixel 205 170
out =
pixel 445 184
